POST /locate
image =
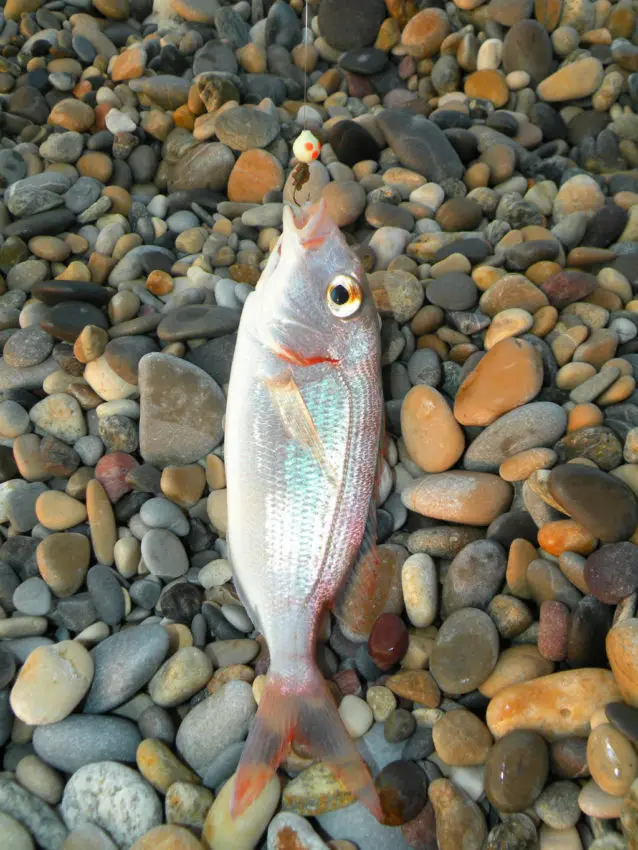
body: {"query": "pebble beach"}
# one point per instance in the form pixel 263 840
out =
pixel 482 160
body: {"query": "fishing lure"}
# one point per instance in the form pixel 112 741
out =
pixel 306 149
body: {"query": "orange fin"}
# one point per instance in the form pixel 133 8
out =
pixel 302 709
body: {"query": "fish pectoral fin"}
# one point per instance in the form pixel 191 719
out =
pixel 297 420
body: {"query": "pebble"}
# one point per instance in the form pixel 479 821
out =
pixel 113 797
pixel 460 738
pixel 243 832
pixel 556 705
pixel 83 739
pixel 51 683
pixel 454 670
pixel 621 645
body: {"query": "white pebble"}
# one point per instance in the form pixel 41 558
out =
pixel 517 80
pixel 420 589
pixel 215 573
pixel 237 617
pixel 356 715
pixel 625 329
pixel 119 122
pixel 559 839
pixel 490 55
pixel 430 195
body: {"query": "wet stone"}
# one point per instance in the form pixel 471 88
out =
pixel 402 789
pixel 600 502
pixel 388 641
pixel 516 771
pixel 465 651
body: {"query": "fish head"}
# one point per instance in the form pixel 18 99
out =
pixel 313 303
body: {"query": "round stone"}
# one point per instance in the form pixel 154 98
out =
pixel 388 641
pixel 465 652
pixel 612 760
pixel 402 789
pixel 611 573
pixel 356 715
pixel 164 554
pixel 180 677
pixel 51 682
pixel 516 770
pixel 461 739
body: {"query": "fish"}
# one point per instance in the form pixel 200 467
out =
pixel 303 432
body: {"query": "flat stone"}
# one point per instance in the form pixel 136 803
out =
pixel 530 426
pixel 40 819
pixel 139 651
pixel 221 719
pixel 420 145
pixel 53 292
pixel 475 498
pixel 474 577
pixel 84 739
pixel 68 319
pixel 199 321
pixel 516 770
pixel 465 651
pixel 605 506
pixel 181 410
pixel 481 398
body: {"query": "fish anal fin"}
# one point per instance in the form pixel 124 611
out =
pixel 297 420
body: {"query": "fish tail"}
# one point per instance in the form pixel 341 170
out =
pixel 304 710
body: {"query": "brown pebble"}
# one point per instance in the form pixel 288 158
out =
pixel 612 760
pixel 516 769
pixel 461 738
pixel 101 522
pixel 553 631
pixel 515 665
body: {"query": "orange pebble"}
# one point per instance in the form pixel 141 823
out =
pixel 566 535
pixel 584 416
pixel 101 111
pixel 184 118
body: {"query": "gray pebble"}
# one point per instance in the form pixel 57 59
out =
pixel 146 592
pixel 34 814
pixel 424 367
pixel 90 449
pixel 106 593
pixel 181 221
pixel 156 722
pixel 164 554
pixel 220 720
pixel 162 513
pixel 124 663
pixel 82 739
pixel 237 617
pixel 82 194
pixel 557 805
pixel 399 726
pixel 223 766
pixel 33 597
pixel 14 419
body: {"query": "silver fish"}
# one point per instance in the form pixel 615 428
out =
pixel 303 428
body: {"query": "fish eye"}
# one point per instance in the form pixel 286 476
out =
pixel 344 296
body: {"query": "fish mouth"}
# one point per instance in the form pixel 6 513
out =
pixel 310 224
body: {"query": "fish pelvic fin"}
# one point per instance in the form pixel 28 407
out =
pixel 302 709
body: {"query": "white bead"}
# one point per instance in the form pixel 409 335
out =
pixel 300 149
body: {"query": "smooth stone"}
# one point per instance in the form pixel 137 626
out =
pixel 459 820
pixel 612 760
pixel 516 770
pixel 605 506
pixel 175 393
pixel 84 739
pixel 580 79
pixel 288 827
pixel 113 797
pixel 556 706
pixel 139 651
pixel 478 402
pixel 474 576
pixel 14 834
pixel 180 677
pixel 244 831
pixel 474 498
pixel 164 554
pixel 461 738
pixel 611 573
pixel 456 669
pixel 622 651
pixel 432 436
pixel 168 837
pixel 420 145
pixel 221 719
pixel 533 425
pixel 52 681
pixel 36 816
